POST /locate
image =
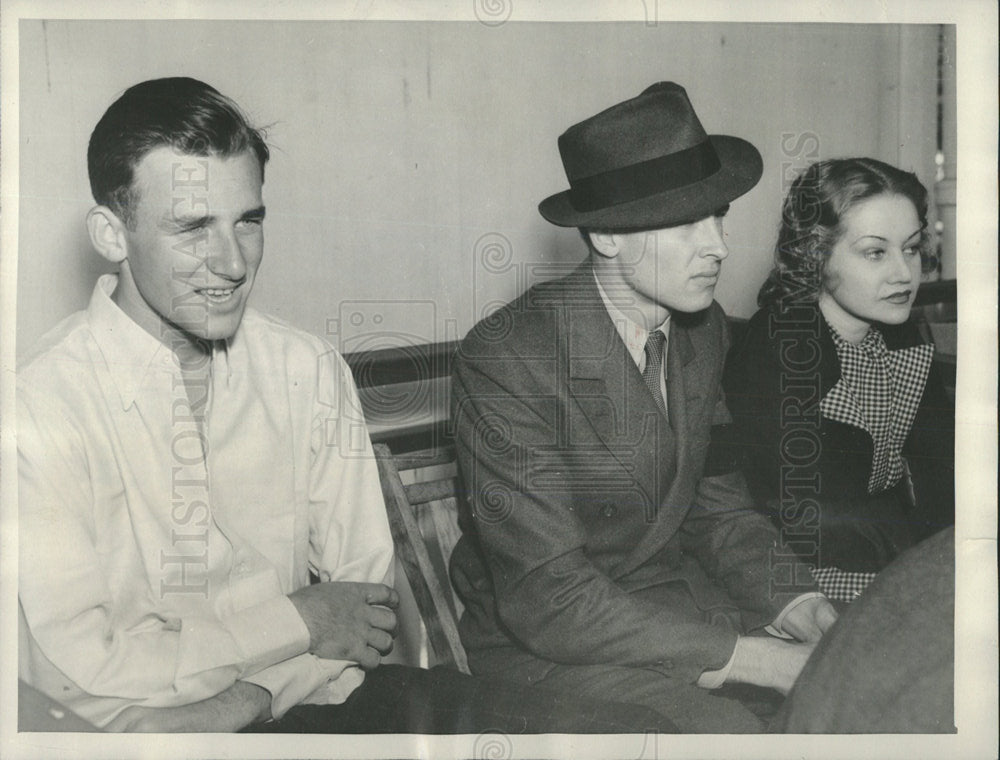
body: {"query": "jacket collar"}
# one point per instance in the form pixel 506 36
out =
pixel 896 337
pixel 594 336
pixel 609 389
pixel 633 335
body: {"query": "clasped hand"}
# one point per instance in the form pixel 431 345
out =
pixel 808 620
pixel 348 621
pixel 766 661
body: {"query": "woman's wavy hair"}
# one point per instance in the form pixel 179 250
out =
pixel 812 217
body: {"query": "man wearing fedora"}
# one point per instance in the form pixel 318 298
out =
pixel 607 548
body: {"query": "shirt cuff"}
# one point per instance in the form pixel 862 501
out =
pixel 775 628
pixel 268 632
pixel 713 679
pixel 289 682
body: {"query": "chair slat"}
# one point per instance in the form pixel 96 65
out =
pixel 428 578
pixel 421 493
pixel 413 460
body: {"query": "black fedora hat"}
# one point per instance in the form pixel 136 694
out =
pixel 647 163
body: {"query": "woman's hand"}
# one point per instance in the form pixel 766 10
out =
pixel 808 620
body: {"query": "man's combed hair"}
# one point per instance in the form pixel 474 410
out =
pixel 812 222
pixel 177 112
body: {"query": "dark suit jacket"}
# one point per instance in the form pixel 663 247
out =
pixel 775 377
pixel 590 535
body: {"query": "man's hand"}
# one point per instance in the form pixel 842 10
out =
pixel 766 661
pixel 809 620
pixel 238 706
pixel 349 621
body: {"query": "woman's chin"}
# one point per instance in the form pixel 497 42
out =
pixel 894 316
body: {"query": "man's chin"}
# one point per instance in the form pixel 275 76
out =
pixel 216 328
pixel 222 333
pixel 691 305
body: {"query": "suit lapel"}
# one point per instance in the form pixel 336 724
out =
pixel 685 389
pixel 609 391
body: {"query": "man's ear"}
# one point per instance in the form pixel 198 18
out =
pixel 107 234
pixel 606 244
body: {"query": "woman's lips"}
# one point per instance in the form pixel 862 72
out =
pixel 900 297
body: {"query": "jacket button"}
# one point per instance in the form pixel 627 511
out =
pixel 610 511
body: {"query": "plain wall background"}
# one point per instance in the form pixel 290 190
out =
pixel 408 158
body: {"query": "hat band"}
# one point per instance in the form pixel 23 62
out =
pixel 630 183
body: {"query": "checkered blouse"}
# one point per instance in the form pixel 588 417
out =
pixel 878 391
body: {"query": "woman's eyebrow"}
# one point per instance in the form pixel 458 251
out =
pixel 912 235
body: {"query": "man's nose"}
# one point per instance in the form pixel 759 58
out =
pixel 710 238
pixel 226 258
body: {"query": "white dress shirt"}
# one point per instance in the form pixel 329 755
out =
pixel 157 548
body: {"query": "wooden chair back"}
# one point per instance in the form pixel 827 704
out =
pixel 421 491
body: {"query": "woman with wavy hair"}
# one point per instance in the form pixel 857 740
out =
pixel 841 422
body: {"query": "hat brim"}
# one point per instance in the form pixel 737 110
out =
pixel 741 169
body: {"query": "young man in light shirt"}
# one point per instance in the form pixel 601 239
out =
pixel 187 463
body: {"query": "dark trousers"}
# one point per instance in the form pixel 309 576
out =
pixel 733 709
pixel 401 699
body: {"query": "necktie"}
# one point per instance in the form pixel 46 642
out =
pixel 653 372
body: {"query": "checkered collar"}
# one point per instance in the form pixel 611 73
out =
pixel 879 391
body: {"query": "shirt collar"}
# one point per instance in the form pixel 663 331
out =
pixel 633 335
pixel 129 351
